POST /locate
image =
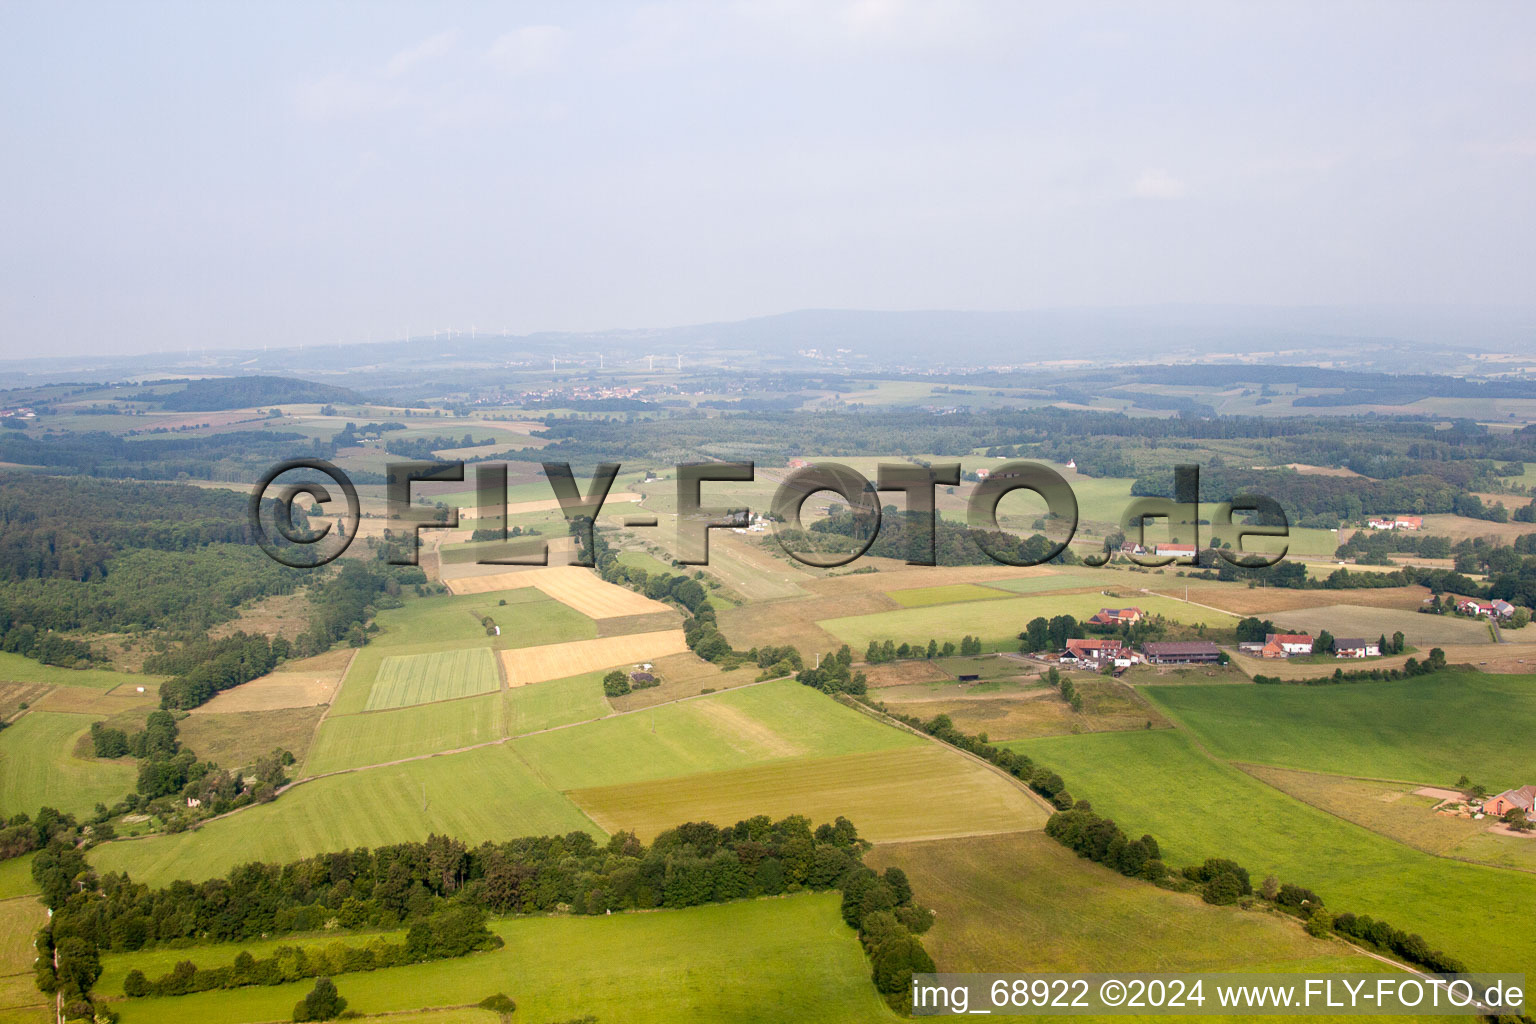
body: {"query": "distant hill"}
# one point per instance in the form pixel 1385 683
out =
pixel 249 392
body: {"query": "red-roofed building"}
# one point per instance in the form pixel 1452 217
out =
pixel 1524 798
pixel 1115 617
pixel 1175 550
pixel 1288 643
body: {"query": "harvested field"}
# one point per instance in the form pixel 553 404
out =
pixel 623 625
pixel 83 700
pixel 1266 602
pixel 1421 631
pixel 902 673
pixel 544 504
pixel 912 793
pixel 556 661
pixel 13 695
pixel 581 589
pixel 408 679
pixel 237 739
pixel 1010 711
pixel 302 684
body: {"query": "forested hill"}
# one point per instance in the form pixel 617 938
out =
pixel 251 392
pixel 53 527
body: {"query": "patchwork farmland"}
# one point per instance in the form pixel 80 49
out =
pixel 407 679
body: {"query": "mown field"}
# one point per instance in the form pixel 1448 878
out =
pixel 911 793
pixel 557 702
pixel 754 962
pixel 481 794
pixel 1196 807
pixel 1002 620
pixel 378 737
pixel 749 725
pixel 38 767
pixel 1429 730
pixel 407 679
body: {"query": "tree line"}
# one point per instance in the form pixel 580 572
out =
pixel 417 883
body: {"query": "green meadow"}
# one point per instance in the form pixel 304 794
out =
pixel 732 729
pixel 378 737
pixel 38 767
pixel 477 795
pixel 556 702
pixel 16 669
pixel 407 679
pixel 16 877
pixel 1196 807
pixel 754 962
pixel 954 593
pixel 1431 729
pixel 1002 620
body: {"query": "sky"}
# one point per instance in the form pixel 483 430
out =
pixel 222 175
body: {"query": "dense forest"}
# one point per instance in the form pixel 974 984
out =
pixel 220 393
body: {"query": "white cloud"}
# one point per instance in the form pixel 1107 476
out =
pixel 430 48
pixel 1155 183
pixel 337 96
pixel 529 50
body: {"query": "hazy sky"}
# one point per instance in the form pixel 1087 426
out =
pixel 223 175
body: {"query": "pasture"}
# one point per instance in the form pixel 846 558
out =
pixel 38 767
pixel 1022 901
pixel 556 661
pixel 555 703
pixel 1429 730
pixel 481 794
pixel 406 679
pixel 528 617
pixel 1001 621
pixel 1394 810
pixel 16 669
pixel 954 593
pixel 654 968
pixel 918 792
pixel 748 725
pixel 1006 710
pixel 379 737
pixel 16 877
pixel 1421 631
pixel 1197 808
pixel 239 738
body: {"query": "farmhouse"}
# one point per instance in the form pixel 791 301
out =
pixel 1398 523
pixel 798 463
pixel 1115 617
pixel 1093 652
pixel 1355 647
pixel 1503 609
pixel 1284 645
pixel 1176 550
pixel 1472 606
pixel 1181 652
pixel 1523 798
pixel 1132 548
